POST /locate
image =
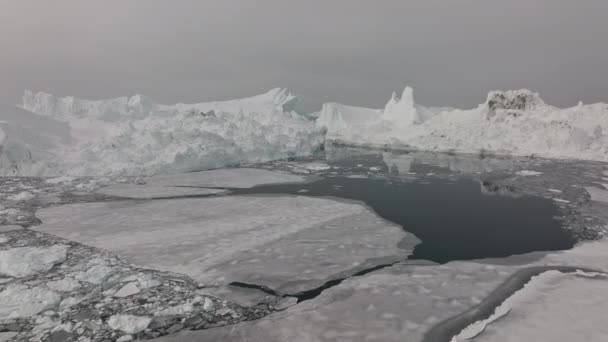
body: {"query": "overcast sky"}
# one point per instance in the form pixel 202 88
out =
pixel 351 51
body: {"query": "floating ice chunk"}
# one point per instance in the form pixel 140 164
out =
pixel 21 197
pixel 127 290
pixel 64 285
pixel 598 195
pixel 19 301
pixel 10 228
pixel 526 173
pixel 70 301
pixel 128 323
pixel 151 191
pixel 61 179
pixel 176 310
pixel 7 335
pixel 195 183
pixel 26 261
pixel 96 274
pixel 544 310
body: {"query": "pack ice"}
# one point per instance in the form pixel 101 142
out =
pixel 516 122
pixel 51 135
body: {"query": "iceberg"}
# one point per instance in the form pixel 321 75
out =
pixel 514 122
pixel 49 135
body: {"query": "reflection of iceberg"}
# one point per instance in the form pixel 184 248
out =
pixel 463 163
pixel 493 189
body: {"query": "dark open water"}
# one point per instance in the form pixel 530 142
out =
pixel 454 219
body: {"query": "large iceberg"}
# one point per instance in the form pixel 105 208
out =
pixel 515 122
pixel 50 135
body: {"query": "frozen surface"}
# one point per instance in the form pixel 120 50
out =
pixel 26 261
pixel 552 307
pixel 19 301
pixel 526 173
pixel 512 122
pixel 134 135
pixel 408 300
pixel 387 305
pixel 287 243
pixel 154 191
pixel 129 323
pixel 195 183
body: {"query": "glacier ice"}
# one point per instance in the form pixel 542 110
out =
pixel 134 135
pixel 51 135
pixel 515 122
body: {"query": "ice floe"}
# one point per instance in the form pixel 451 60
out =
pixel 198 183
pixel 287 243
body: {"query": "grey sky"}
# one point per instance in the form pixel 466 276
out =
pixel 352 51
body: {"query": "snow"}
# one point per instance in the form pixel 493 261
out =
pixel 194 183
pixel 175 310
pixel 25 261
pixel 514 122
pixel 287 243
pixel 54 136
pixel 19 301
pixel 128 323
pixel 552 307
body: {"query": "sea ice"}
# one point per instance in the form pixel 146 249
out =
pixel 287 243
pixel 553 306
pixel 199 183
pixel 129 323
pixel 25 261
pixel 19 301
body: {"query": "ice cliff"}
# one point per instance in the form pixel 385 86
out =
pixel 52 135
pixel 515 122
pixel 49 135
